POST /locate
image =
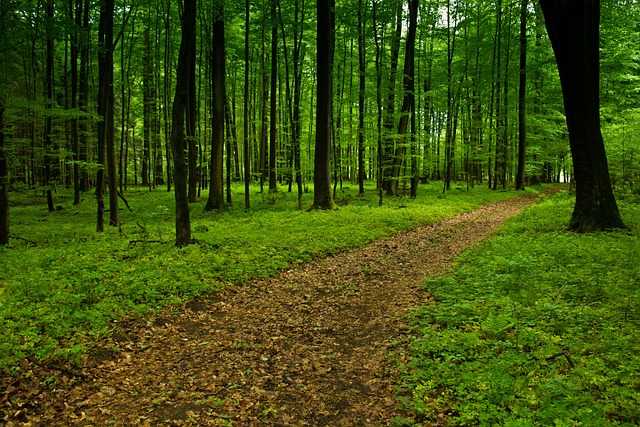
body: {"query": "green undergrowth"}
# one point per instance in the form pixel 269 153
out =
pixel 537 327
pixel 62 285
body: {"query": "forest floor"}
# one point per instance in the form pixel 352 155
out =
pixel 321 344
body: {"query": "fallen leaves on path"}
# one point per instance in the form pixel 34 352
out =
pixel 318 345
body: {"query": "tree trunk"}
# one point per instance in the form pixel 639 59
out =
pixel 185 81
pixel 522 97
pixel 388 145
pixel 573 27
pixel 216 183
pixel 408 103
pixel 361 98
pixel 247 156
pixel 48 126
pixel 77 17
pixel 4 182
pixel 273 114
pixel 322 198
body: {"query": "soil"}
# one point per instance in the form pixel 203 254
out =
pixel 322 344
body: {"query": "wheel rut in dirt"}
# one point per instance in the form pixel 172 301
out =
pixel 315 346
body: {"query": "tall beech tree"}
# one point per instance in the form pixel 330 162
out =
pixel 573 27
pixel 408 102
pixel 216 183
pixel 106 147
pixel 48 118
pixel 522 97
pixel 322 197
pixel 182 111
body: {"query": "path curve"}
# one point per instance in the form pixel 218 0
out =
pixel 315 346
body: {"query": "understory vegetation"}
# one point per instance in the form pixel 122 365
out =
pixel 63 285
pixel 537 327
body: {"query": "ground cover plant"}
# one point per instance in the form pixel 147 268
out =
pixel 537 327
pixel 63 285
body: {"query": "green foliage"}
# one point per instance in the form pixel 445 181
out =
pixel 538 327
pixel 64 285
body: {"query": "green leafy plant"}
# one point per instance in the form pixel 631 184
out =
pixel 537 327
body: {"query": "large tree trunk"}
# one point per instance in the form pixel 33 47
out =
pixel 185 81
pixel 216 187
pixel 322 198
pixel 573 27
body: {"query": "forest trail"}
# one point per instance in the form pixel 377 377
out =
pixel 315 346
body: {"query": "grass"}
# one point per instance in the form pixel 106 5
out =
pixel 537 327
pixel 62 285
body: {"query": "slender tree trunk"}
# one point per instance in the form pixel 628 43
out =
pixel 246 153
pixel 114 211
pixel 388 145
pixel 216 184
pixel 4 182
pixel 573 28
pixel 273 114
pixel 408 103
pixel 522 98
pixel 322 198
pixel 48 125
pixel 182 108
pixel 191 115
pixel 378 103
pixel 75 15
pixel 361 98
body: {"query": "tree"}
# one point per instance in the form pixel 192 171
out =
pixel 48 120
pixel 182 105
pixel 573 27
pixel 408 103
pixel 322 198
pixel 4 181
pixel 522 95
pixel 247 154
pixel 361 98
pixel 216 185
pixel 106 148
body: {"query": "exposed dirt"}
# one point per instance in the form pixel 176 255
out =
pixel 318 345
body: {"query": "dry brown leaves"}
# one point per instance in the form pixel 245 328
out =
pixel 315 346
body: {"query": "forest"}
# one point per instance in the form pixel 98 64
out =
pixel 458 91
pixel 157 151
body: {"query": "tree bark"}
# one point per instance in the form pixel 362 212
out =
pixel 4 182
pixel 247 156
pixel 322 198
pixel 573 27
pixel 216 183
pixel 522 98
pixel 273 114
pixel 408 103
pixel 181 110
pixel 361 98
pixel 48 125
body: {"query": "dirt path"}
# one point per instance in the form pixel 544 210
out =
pixel 315 346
